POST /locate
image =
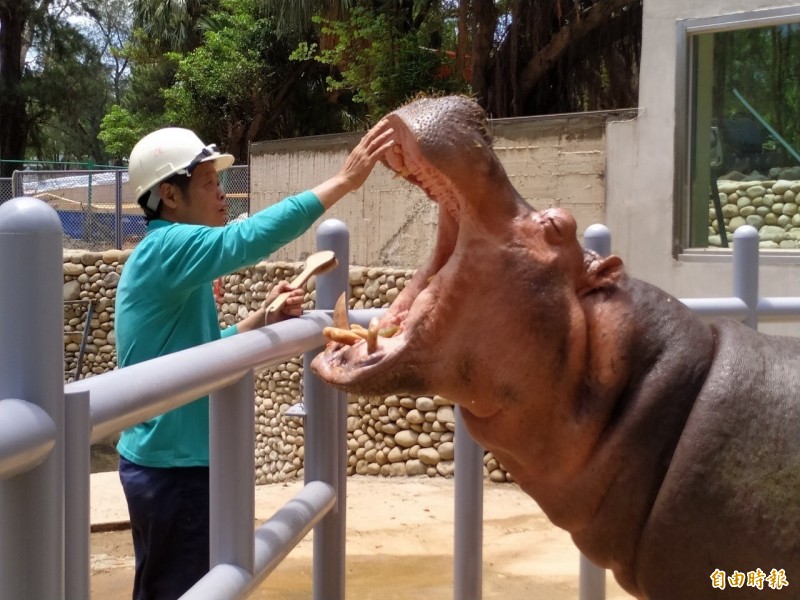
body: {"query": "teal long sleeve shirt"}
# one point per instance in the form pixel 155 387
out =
pixel 165 303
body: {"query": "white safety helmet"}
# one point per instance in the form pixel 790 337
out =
pixel 166 152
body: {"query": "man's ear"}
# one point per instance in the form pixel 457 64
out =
pixel 601 273
pixel 168 193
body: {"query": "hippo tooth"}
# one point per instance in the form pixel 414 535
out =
pixel 372 337
pixel 340 318
pixel 389 331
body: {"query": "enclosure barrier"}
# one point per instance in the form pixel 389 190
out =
pixel 46 429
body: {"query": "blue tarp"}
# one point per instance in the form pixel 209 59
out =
pixel 74 224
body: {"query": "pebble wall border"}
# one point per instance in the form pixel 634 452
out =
pixel 391 437
pixel 769 206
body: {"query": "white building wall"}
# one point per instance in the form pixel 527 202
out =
pixel 641 170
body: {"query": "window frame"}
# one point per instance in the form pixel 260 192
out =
pixel 685 113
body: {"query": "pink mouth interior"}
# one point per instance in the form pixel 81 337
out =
pixel 416 301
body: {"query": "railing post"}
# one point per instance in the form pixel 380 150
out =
pixel 232 474
pixel 118 213
pixel 745 271
pixel 32 369
pixel 592 579
pixel 77 526
pixel 325 430
pixel 597 238
pixel 468 516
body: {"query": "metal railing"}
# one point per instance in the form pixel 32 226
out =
pixel 46 429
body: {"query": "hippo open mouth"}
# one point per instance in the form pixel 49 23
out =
pixel 421 128
pixel 443 146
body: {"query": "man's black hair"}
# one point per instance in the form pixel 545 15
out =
pixel 182 181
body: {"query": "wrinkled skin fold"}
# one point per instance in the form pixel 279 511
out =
pixel 666 446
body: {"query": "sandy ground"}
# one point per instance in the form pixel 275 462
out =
pixel 399 544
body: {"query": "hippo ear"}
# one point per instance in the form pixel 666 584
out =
pixel 601 273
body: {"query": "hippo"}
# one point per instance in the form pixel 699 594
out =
pixel 667 446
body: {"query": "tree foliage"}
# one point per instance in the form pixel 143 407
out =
pixel 552 56
pixel 54 79
pixel 68 101
pixel 244 70
pixel 240 86
pixel 761 64
pixel 382 61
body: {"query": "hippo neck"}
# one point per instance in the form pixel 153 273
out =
pixel 671 352
pixel 571 475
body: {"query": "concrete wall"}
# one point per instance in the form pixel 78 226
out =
pixel 553 161
pixel 641 172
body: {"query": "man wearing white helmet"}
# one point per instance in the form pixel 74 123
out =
pixel 165 303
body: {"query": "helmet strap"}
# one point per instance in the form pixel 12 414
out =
pixel 153 198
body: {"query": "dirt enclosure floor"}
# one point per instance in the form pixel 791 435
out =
pixel 400 547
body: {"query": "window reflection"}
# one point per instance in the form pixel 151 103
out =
pixel 746 166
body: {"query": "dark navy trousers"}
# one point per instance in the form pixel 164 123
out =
pixel 169 515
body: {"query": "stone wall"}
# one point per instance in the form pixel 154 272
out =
pixel 770 206
pixel 394 436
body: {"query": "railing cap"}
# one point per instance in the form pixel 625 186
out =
pixel 28 215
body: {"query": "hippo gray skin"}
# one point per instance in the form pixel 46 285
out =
pixel 667 447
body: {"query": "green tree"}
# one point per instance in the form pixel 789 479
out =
pixel 120 130
pixel 53 86
pixel 111 30
pixel 172 25
pixel 762 64
pixel 69 91
pixel 240 86
pixel 162 32
pixel 517 57
pixel 386 58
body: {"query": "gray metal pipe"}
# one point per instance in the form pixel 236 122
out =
pixel 745 271
pixel 468 516
pixel 778 309
pixel 592 579
pixel 597 238
pixel 77 521
pixel 139 392
pixel 232 473
pixel 274 540
pixel 326 430
pixel 32 369
pixel 284 530
pixel 709 308
pixel 27 435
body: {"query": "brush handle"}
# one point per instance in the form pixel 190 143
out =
pixel 316 263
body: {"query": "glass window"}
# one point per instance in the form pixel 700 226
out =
pixel 743 131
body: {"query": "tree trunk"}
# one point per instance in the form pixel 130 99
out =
pixel 484 22
pixel 462 40
pixel 568 35
pixel 13 119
